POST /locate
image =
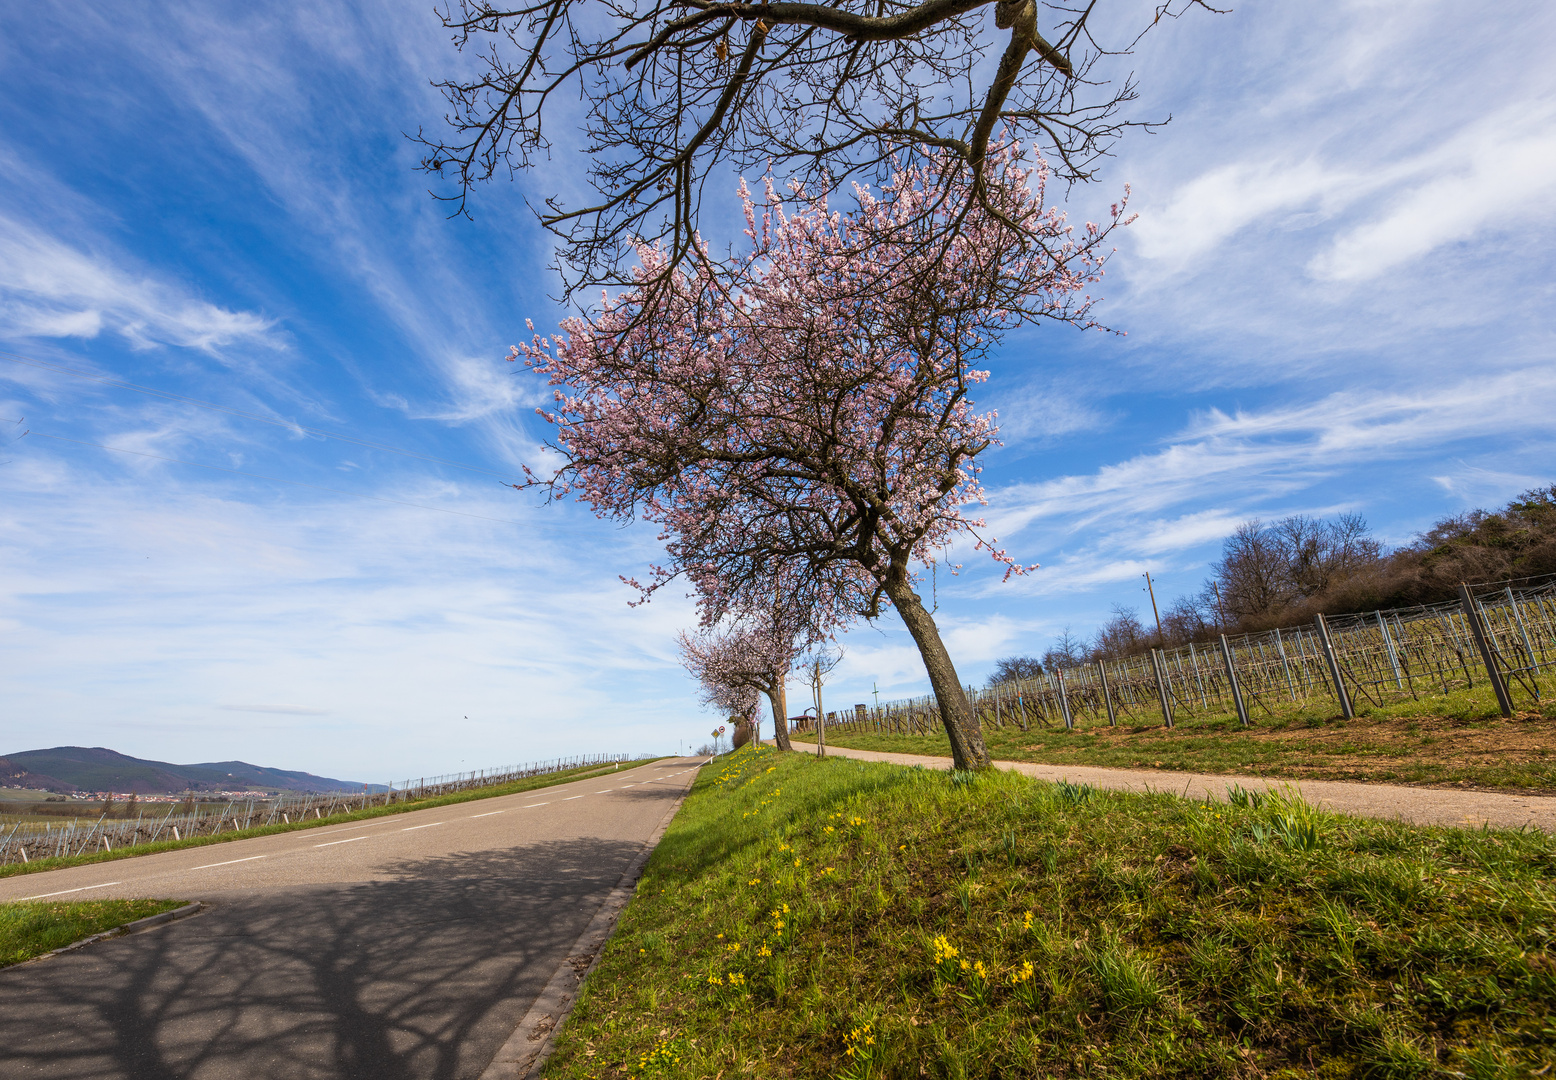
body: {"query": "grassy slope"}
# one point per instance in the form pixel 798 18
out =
pixel 39 926
pixel 528 784
pixel 1456 738
pixel 838 918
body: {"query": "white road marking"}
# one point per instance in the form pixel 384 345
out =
pixel 535 804
pixel 332 843
pixel 353 827
pixel 229 862
pixel 62 892
pixel 570 798
pixel 602 791
pixel 429 825
pixel 488 814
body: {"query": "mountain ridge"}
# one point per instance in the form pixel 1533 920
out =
pixel 65 769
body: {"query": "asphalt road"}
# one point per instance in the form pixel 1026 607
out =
pixel 401 948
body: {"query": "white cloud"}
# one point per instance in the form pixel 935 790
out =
pixel 1497 178
pixel 49 288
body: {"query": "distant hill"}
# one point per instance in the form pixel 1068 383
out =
pixel 96 768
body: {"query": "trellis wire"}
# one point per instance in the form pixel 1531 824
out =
pixel 1377 658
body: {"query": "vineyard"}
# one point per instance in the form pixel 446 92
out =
pixel 25 841
pixel 1500 637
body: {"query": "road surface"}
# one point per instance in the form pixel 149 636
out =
pixel 400 948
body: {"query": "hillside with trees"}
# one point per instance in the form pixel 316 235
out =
pixel 1283 573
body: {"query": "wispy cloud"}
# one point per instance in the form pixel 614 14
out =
pixel 53 289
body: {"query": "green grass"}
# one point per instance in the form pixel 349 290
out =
pixel 527 784
pixel 34 927
pixel 1458 738
pixel 836 918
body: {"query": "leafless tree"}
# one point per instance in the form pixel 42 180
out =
pixel 1321 553
pixel 1067 650
pixel 1122 635
pixel 1015 669
pixel 675 91
pixel 1253 572
pixel 1185 621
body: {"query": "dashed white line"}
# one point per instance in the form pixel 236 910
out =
pixel 332 843
pixel 489 813
pixel 354 827
pixel 62 892
pixel 602 791
pixel 429 825
pixel 570 798
pixel 535 804
pixel 229 862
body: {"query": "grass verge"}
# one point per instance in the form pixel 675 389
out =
pixel 32 928
pixel 527 784
pixel 836 918
pixel 1456 739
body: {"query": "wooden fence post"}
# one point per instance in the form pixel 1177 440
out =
pixel 1231 678
pixel 1161 687
pixel 1064 703
pixel 1107 695
pixel 1334 666
pixel 1487 656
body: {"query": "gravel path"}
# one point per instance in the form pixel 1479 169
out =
pixel 1418 805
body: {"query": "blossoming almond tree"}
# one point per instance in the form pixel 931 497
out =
pixel 743 660
pixel 817 424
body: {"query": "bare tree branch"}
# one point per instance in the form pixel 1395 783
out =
pixel 676 91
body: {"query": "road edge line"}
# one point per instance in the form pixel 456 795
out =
pixel 520 1057
pixel 150 922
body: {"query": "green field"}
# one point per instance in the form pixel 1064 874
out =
pixel 1455 739
pixel 835 918
pixel 32 928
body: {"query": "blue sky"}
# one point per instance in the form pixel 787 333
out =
pixel 1337 297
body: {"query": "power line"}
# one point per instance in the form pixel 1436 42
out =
pixel 167 395
pixel 279 480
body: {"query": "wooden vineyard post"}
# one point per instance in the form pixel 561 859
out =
pixel 1483 643
pixel 1334 666
pixel 1161 686
pixel 1231 678
pixel 1107 695
pixel 1064 703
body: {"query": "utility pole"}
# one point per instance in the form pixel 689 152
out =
pixel 821 717
pixel 876 690
pixel 1161 642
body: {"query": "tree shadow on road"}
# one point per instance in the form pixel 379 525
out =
pixel 422 976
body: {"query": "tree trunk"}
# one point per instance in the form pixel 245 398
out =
pixel 961 723
pixel 780 704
